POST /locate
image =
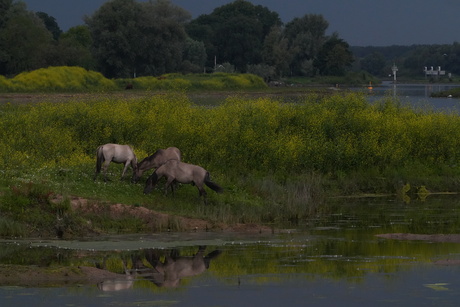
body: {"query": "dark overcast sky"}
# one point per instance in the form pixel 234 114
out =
pixel 358 22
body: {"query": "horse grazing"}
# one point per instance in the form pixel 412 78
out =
pixel 156 160
pixel 176 171
pixel 114 153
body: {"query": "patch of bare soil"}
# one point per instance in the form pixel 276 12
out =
pixel 161 221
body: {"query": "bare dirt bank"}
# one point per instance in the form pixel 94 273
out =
pixel 161 221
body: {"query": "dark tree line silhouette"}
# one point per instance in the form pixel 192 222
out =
pixel 128 38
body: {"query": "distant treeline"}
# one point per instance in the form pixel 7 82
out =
pixel 130 38
pixel 410 60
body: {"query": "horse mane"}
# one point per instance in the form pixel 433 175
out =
pixel 152 156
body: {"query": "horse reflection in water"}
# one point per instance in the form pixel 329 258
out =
pixel 117 284
pixel 156 160
pixel 175 267
pixel 167 273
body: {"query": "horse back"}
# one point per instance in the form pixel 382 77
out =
pixel 181 171
pixel 173 153
pixel 117 153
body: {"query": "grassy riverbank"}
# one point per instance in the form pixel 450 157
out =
pixel 278 161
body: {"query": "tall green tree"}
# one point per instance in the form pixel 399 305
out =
pixel 163 38
pixel 74 48
pixel 194 56
pixel 276 52
pixel 138 38
pixel 334 57
pixel 234 33
pixel 116 37
pixel 24 40
pixel 5 6
pixel 50 24
pixel 306 37
pixel 202 29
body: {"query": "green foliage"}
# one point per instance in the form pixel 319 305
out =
pixel 77 79
pixel 261 150
pixel 25 43
pixel 133 37
pixel 235 32
pixel 334 57
pixel 178 82
pixel 30 204
pixel 306 36
pixel 339 133
pixel 57 79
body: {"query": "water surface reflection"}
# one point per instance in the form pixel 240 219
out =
pixel 333 259
pixel 415 95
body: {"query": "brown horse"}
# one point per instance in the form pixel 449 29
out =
pixel 156 160
pixel 176 171
pixel 114 153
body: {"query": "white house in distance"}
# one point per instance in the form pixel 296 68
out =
pixel 432 72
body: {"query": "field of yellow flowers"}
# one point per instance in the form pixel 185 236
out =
pixel 275 159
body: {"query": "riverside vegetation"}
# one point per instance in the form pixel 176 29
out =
pixel 278 161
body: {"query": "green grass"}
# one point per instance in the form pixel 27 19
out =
pixel 277 160
pixel 77 79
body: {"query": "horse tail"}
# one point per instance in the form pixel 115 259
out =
pixel 99 158
pixel 214 186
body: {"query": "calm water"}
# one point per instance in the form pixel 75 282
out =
pixel 331 260
pixel 416 95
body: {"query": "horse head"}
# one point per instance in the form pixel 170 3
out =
pixel 151 182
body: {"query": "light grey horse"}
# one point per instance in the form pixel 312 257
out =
pixel 114 153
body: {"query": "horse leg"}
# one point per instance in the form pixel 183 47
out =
pixel 173 186
pixel 124 169
pixel 151 182
pixel 203 193
pixel 134 179
pixel 169 182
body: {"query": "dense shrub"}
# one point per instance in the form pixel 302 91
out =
pixel 61 78
pixel 77 79
pixel 215 81
pixel 340 133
